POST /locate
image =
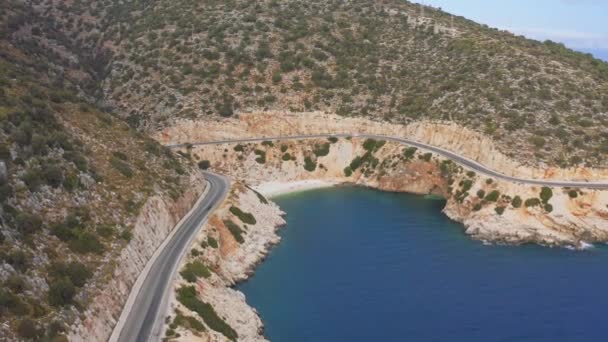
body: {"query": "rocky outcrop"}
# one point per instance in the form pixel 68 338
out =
pixel 447 135
pixel 570 217
pixel 491 210
pixel 157 218
pixel 229 262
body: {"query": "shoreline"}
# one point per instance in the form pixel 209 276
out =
pixel 275 188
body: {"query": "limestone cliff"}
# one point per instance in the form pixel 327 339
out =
pixel 222 259
pixel 447 135
pixel 491 209
pixel 156 220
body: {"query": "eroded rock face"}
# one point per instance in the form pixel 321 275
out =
pixel 448 135
pixel 230 262
pixel 156 220
pixel 563 220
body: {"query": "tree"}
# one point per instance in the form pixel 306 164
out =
pixel 546 194
pixel 516 202
pixel 28 223
pixel 61 292
pixel 204 164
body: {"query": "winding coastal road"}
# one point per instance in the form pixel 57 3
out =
pixel 142 319
pixel 464 161
pixel 143 315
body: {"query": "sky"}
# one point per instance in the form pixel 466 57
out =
pixel 579 24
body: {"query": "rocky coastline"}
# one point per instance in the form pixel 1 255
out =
pixel 491 210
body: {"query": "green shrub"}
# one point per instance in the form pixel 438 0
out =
pixel 187 296
pixel 193 270
pixel 409 152
pixel 493 196
pixel 356 163
pixel 573 193
pixel 516 202
pixel 126 235
pixel 321 150
pixel 261 159
pixel 239 148
pixel 77 272
pixel 12 303
pixel 61 291
pixel 477 207
pixel 372 145
pixel 284 148
pixel 29 330
pixel 122 167
pixel 548 207
pixel 286 157
pixel 86 242
pixel 246 218
pixel 470 174
pixel 187 322
pixel 481 193
pixel 546 194
pixel 235 230
pixel 489 181
pixel 532 202
pixel 332 140
pixel 106 231
pixel 309 164
pixel 499 210
pixel 212 242
pixel 28 223
pixel 204 164
pixel 267 143
pixel 426 157
pixel 348 171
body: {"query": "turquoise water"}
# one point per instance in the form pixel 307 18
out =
pixel 362 265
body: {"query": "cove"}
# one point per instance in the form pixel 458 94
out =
pixel 356 264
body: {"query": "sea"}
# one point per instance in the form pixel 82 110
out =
pixel 356 264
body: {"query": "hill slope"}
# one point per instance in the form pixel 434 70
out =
pixel 384 59
pixel 73 180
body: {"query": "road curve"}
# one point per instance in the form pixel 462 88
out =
pixel 469 163
pixel 146 315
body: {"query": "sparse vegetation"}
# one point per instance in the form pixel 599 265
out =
pixel 194 270
pixel 235 230
pixel 187 296
pixel 309 164
pixel 516 202
pixel 246 218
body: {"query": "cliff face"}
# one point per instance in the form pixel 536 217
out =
pixel 226 259
pixel 450 136
pixel 491 209
pixel 158 217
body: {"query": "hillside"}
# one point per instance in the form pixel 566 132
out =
pixel 73 180
pixel 83 83
pixel 386 59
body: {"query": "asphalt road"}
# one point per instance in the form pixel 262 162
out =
pixel 145 319
pixel 469 163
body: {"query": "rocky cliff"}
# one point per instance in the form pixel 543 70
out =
pixel 157 218
pixel 491 210
pixel 447 135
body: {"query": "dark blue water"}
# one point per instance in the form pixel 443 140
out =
pixel 362 265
